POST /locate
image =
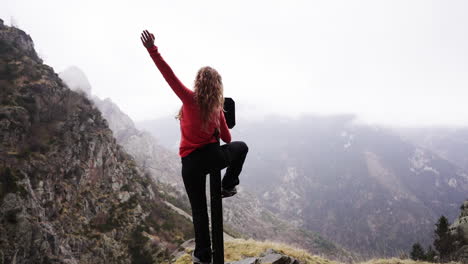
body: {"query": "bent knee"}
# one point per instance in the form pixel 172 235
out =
pixel 243 146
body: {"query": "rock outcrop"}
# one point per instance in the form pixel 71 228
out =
pixel 459 228
pixel 68 192
pixel 462 254
pixel 148 154
pixel 460 225
pixel 160 164
pixel 270 256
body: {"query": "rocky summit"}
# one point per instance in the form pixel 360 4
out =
pixel 68 192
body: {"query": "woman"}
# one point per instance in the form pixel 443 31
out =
pixel 202 122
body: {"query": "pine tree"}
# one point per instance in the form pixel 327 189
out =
pixel 417 253
pixel 430 254
pixel 444 241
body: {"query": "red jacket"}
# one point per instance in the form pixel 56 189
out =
pixel 193 136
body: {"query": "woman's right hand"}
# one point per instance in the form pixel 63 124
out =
pixel 147 39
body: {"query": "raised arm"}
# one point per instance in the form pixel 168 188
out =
pixel 185 94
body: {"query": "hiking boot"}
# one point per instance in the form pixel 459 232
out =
pixel 197 260
pixel 228 192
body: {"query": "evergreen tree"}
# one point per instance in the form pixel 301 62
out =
pixel 444 241
pixel 430 254
pixel 417 253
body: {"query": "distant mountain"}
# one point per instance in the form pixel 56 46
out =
pixel 449 143
pixel 68 192
pixel 76 80
pixel 161 163
pixel 361 186
pixel 165 129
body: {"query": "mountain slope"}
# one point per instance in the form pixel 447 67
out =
pixel 360 186
pixel 449 143
pixel 68 192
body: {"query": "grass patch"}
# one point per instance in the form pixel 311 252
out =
pixel 396 261
pixel 238 249
pixel 137 247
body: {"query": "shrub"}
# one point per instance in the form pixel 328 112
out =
pixel 137 249
pixel 417 253
pixel 444 240
pixel 9 183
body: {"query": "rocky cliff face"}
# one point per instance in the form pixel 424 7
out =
pixel 68 192
pixel 163 165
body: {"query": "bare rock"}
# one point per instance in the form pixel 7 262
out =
pixel 462 254
pixel 273 257
pixel 246 261
pixel 268 257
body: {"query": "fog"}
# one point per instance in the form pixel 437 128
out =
pixel 388 62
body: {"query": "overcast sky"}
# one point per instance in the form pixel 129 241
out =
pixel 393 62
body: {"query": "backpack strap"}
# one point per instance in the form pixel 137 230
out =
pixel 216 134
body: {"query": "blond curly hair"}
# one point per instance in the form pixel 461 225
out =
pixel 208 89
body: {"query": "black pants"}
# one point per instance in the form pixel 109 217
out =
pixel 195 167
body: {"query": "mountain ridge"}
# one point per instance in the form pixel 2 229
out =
pixel 68 191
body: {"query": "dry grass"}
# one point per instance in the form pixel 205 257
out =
pixel 397 261
pixel 185 259
pixel 237 249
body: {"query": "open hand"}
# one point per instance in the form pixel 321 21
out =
pixel 147 39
